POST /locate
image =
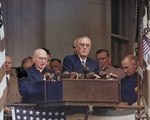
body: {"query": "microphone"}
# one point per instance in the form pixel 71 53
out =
pixel 85 71
pixel 94 76
pixel 21 72
pixel 104 75
pixel 87 76
pixel 51 77
pixel 74 75
pixel 81 76
pixel 66 74
pixel 58 74
pixel 48 77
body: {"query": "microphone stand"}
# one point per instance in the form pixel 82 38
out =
pixel 44 88
pixel 85 70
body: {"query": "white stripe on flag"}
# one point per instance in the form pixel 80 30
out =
pixel 3 86
pixel 2 32
pixel 1 28
pixel 1 115
pixel 2 57
pixel 2 62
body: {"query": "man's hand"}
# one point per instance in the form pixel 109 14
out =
pixel 113 75
pixel 7 110
pixel 136 89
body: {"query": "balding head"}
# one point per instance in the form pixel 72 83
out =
pixel 40 59
pixel 39 51
pixel 129 64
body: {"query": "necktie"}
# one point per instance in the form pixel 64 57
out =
pixel 83 63
pixel 7 80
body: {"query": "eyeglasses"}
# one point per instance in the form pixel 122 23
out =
pixel 83 44
pixel 42 58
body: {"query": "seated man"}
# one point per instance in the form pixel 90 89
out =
pixel 35 72
pixel 76 62
pixel 129 82
pixel 104 59
pixel 55 64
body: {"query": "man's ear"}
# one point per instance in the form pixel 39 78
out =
pixel 33 58
pixel 76 47
pixel 136 64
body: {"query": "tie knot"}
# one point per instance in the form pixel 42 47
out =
pixel 83 63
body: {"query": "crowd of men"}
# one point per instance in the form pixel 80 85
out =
pixel 40 63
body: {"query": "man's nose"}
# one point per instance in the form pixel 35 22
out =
pixel 84 46
pixel 125 70
pixel 100 61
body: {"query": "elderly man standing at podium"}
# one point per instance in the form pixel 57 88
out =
pixel 76 62
pixel 35 72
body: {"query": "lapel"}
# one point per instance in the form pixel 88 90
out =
pixel 78 67
pixel 88 63
pixel 35 73
pixel 91 65
pixel 12 86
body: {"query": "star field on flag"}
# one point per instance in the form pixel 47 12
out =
pixel 53 113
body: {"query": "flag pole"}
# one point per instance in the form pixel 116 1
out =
pixel 140 58
pixel 139 39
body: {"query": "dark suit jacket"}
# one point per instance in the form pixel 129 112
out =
pixel 128 85
pixel 72 63
pixel 33 76
pixel 13 94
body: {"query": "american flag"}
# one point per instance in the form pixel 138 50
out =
pixel 52 113
pixel 2 67
pixel 144 52
pixel 146 46
pixel 146 39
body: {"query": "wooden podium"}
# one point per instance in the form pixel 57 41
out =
pixel 86 92
pixel 97 90
pixel 82 90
